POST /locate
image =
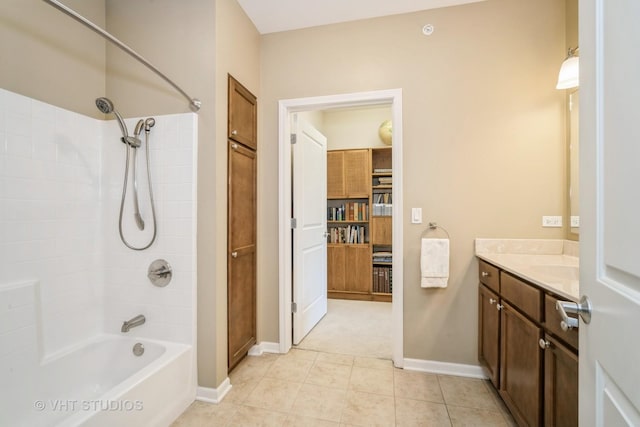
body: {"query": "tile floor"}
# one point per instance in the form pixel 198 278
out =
pixel 312 388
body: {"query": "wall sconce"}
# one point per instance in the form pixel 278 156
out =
pixel 569 71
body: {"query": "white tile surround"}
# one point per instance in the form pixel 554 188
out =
pixel 65 276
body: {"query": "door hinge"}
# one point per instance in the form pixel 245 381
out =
pixel 294 307
pixel 294 138
pixel 294 223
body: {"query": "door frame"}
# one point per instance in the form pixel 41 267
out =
pixel 286 107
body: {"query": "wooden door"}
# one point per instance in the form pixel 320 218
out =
pixel 242 115
pixel 336 265
pixel 381 227
pixel 241 260
pixel 335 175
pixel 560 385
pixel 489 332
pixel 520 366
pixel 357 173
pixel 358 268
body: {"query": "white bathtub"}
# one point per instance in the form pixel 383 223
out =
pixel 103 383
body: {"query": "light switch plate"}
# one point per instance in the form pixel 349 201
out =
pixel 552 221
pixel 416 215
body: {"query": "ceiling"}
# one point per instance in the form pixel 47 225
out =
pixel 270 16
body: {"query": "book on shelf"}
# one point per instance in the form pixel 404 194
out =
pixel 382 256
pixel 382 170
pixel 350 234
pixel 350 211
pixel 382 280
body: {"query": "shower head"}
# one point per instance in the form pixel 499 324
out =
pixel 106 106
pixel 149 123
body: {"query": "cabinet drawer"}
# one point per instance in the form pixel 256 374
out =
pixel 552 322
pixel 527 298
pixel 489 275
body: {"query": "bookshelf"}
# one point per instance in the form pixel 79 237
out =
pixel 359 224
pixel 381 222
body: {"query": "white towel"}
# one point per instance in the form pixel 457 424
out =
pixel 434 263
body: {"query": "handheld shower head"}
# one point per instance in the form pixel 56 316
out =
pixel 106 106
pixel 149 123
pixel 139 127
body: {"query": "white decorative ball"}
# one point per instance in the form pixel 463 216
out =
pixel 384 131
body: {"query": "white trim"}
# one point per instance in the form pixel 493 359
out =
pixel 392 97
pixel 213 395
pixel 264 347
pixel 435 367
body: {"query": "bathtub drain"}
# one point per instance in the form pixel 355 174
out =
pixel 138 349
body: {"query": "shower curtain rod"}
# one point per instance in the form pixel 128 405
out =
pixel 194 103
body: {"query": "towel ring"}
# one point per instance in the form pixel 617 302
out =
pixel 434 226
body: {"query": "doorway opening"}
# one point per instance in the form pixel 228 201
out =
pixel 392 99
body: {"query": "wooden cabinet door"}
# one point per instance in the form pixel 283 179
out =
pixel 242 120
pixel 381 227
pixel 520 366
pixel 241 257
pixel 357 268
pixel 335 175
pixel 357 173
pixel 336 264
pixel 560 385
pixel 489 332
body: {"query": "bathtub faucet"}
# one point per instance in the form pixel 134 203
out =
pixel 136 321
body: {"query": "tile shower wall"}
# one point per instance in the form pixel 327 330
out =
pixel 49 227
pixel 170 311
pixel 64 274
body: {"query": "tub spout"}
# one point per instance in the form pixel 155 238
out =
pixel 136 321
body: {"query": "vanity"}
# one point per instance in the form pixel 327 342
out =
pixel 528 355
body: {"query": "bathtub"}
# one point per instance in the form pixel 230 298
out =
pixel 102 383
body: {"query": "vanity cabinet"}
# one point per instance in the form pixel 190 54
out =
pixel 529 359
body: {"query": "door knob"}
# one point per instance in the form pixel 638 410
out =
pixel 544 344
pixel 582 308
pixel 234 254
pixel 485 274
pixel 492 301
pixel 499 306
pixel 234 132
pixel 234 146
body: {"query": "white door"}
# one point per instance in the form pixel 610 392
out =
pixel 610 211
pixel 309 235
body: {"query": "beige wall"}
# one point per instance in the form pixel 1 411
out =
pixel 354 127
pixel 238 54
pixel 483 138
pixel 49 56
pixel 197 44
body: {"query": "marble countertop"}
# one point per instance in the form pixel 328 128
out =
pixel 547 263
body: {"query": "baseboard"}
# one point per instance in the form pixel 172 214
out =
pixel 434 367
pixel 264 347
pixel 213 395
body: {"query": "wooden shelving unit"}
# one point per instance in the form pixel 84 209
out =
pixel 352 182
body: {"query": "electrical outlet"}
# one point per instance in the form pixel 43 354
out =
pixel 575 221
pixel 552 221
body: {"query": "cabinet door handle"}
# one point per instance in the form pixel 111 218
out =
pixel 234 132
pixel 544 344
pixel 492 301
pixel 499 306
pixel 234 146
pixel 234 254
pixel 485 274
